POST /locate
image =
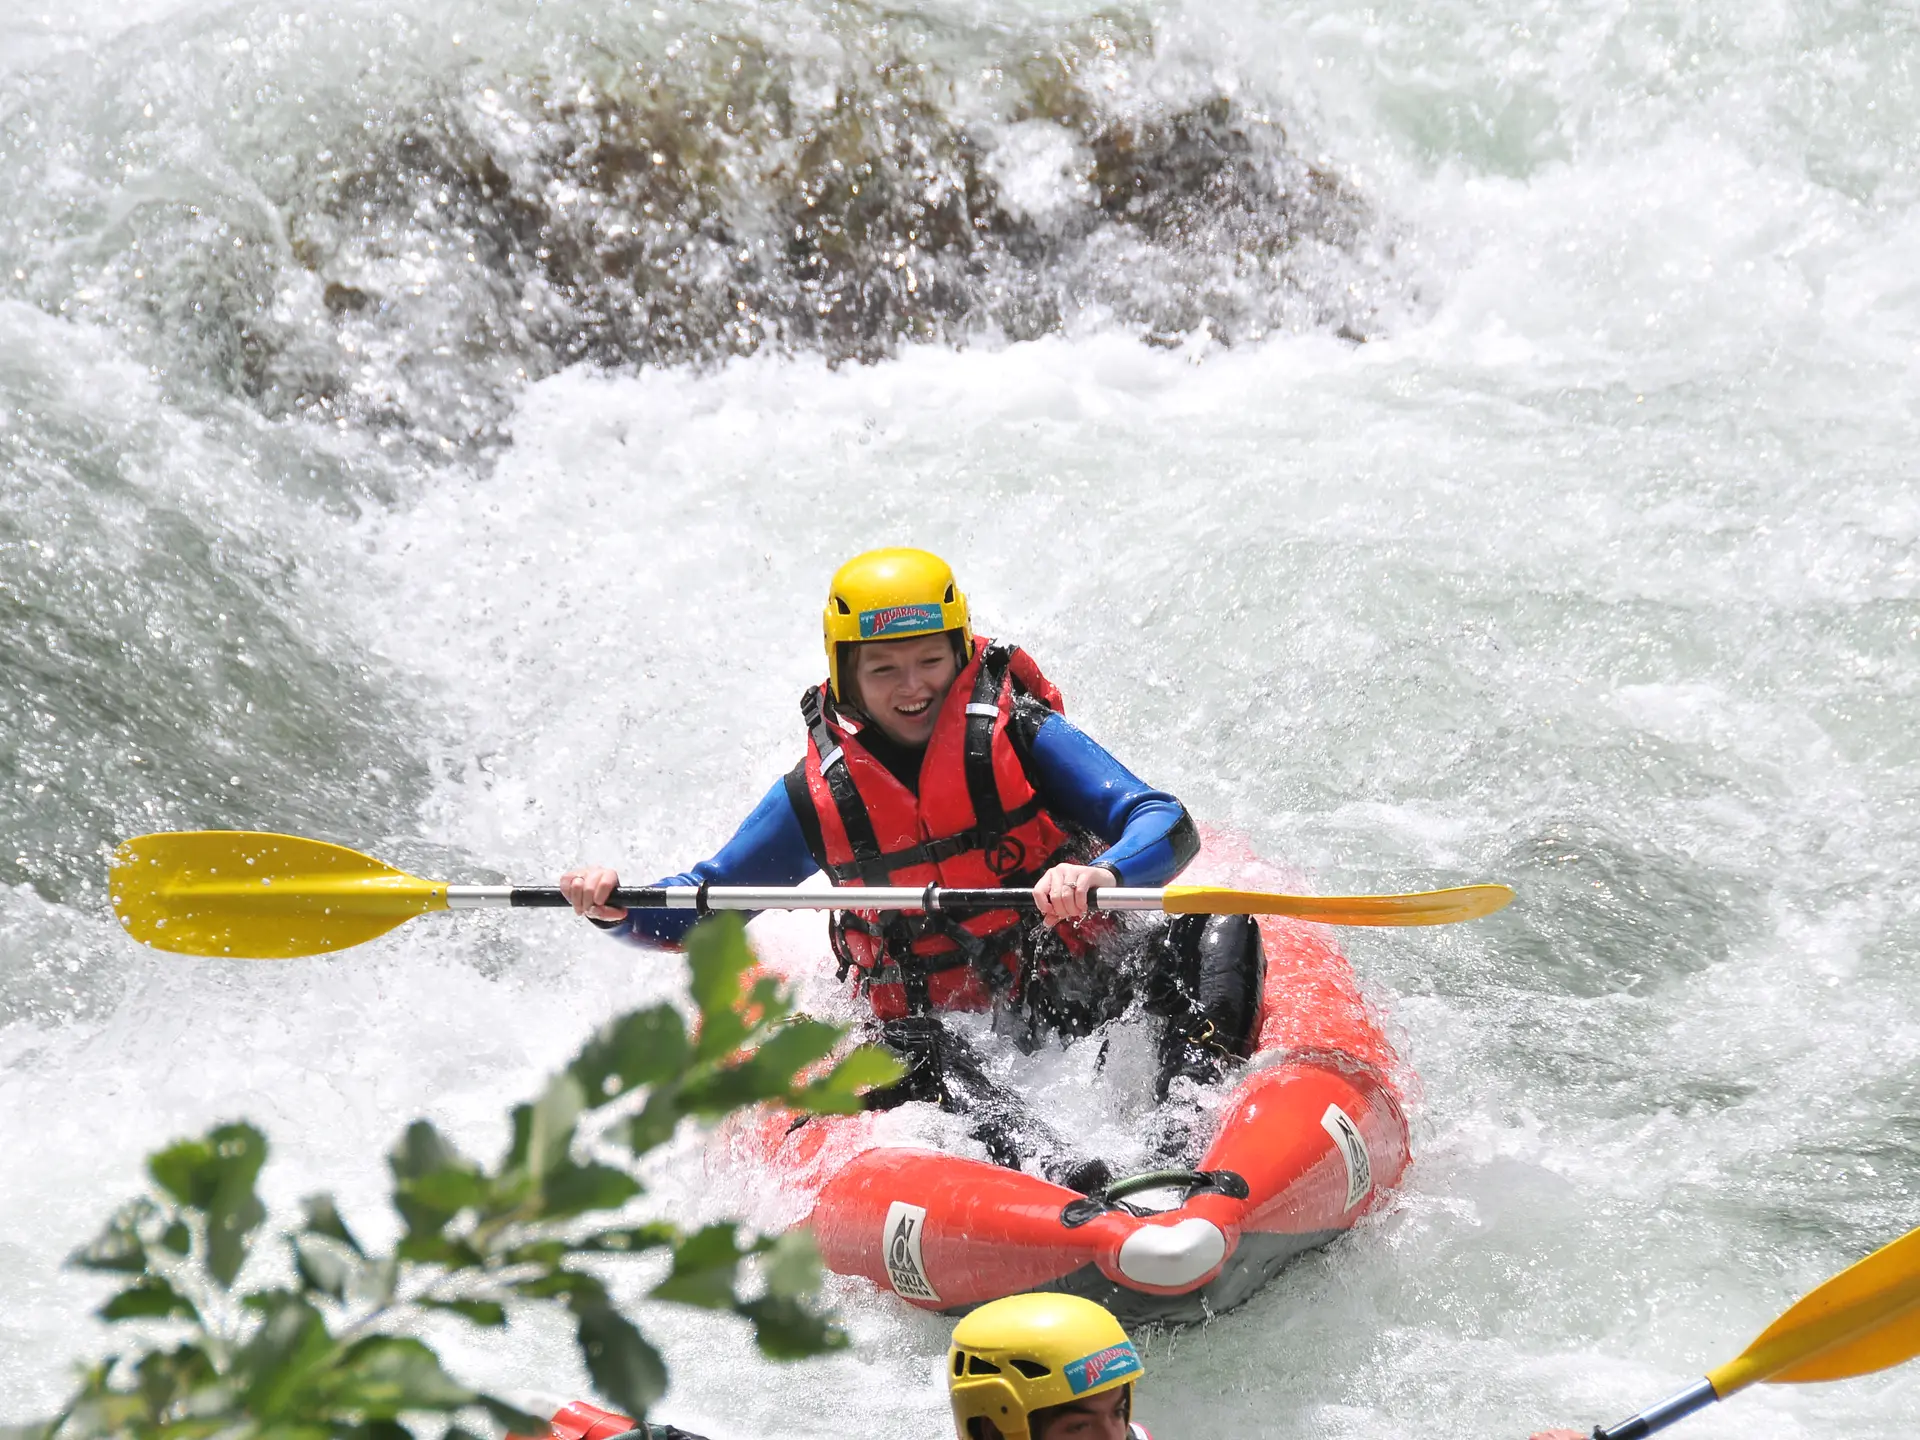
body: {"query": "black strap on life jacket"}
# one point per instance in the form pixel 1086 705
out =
pixel 993 822
pixel 983 713
pixel 870 866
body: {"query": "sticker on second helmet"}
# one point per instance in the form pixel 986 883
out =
pixel 900 1242
pixel 899 620
pixel 1353 1152
pixel 1102 1367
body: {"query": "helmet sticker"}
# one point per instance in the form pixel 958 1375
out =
pixel 900 620
pixel 1112 1363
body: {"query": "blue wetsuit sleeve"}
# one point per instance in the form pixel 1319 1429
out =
pixel 1150 837
pixel 767 849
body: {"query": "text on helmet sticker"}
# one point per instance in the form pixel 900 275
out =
pixel 1353 1153
pixel 899 620
pixel 1113 1363
pixel 900 1243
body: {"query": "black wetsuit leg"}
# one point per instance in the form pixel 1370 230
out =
pixel 1206 977
pixel 944 1070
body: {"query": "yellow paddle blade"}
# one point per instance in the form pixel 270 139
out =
pixel 259 896
pixel 1430 907
pixel 1864 1319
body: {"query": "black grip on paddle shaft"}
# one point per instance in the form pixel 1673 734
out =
pixel 626 897
pixel 975 902
pixel 654 897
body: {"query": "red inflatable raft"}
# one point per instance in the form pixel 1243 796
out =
pixel 1310 1137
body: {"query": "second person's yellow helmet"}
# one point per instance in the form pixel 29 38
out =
pixel 890 595
pixel 1025 1353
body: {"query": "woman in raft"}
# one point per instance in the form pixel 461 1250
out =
pixel 935 755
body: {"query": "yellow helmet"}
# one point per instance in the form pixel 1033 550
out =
pixel 1027 1352
pixel 890 595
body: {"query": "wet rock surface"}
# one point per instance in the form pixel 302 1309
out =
pixel 686 197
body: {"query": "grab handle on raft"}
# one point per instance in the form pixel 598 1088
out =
pixel 1076 1213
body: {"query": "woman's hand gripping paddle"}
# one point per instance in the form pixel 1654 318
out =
pixel 269 897
pixel 1864 1319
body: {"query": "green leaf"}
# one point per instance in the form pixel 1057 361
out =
pixel 433 1249
pixel 422 1151
pixel 655 1124
pixel 732 1087
pixel 554 1116
pixel 382 1375
pixel 796 1045
pixel 644 1048
pixel 150 1297
pixel 324 1219
pixel 538 1252
pixel 631 1240
pixel 118 1249
pixel 324 1265
pixel 575 1189
pixel 543 1131
pixel 717 956
pixel 509 1419
pixel 840 1090
pixel 704 1266
pixel 373 1430
pixel 581 1292
pixel 215 1174
pixel 480 1312
pixel 432 1180
pixel 787 1330
pixel 177 1238
pixel 625 1368
pixel 768 1000
pixel 450 1190
pixel 275 1363
pixel 168 1379
pixel 792 1265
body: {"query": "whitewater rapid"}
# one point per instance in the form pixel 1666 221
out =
pixel 1539 508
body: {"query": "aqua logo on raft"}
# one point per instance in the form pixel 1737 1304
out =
pixel 1112 1363
pixel 1353 1153
pixel 900 1244
pixel 899 620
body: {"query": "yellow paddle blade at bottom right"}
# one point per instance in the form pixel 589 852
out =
pixel 249 894
pixel 1864 1319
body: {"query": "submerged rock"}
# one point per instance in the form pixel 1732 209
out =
pixel 687 196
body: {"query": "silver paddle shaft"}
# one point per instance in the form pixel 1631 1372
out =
pixel 929 899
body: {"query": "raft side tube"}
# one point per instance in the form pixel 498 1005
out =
pixel 1314 1145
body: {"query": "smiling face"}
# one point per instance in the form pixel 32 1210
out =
pixel 1098 1417
pixel 899 684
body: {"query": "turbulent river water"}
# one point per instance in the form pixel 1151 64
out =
pixel 1439 441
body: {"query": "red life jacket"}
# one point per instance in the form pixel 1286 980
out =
pixel 975 823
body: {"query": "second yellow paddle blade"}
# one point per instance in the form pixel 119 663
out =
pixel 250 894
pixel 1429 907
pixel 1864 1319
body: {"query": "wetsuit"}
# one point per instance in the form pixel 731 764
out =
pixel 1202 974
pixel 1148 834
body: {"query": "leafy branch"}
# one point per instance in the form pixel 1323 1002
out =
pixel 334 1355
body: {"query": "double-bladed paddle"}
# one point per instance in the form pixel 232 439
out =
pixel 1864 1319
pixel 269 897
